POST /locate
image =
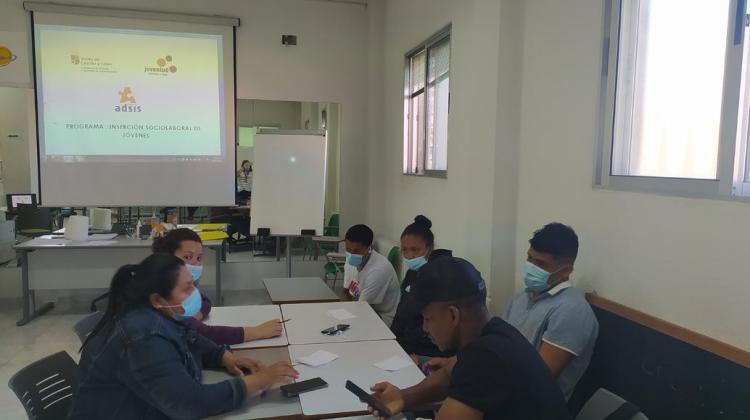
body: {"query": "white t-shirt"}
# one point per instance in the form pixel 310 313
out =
pixel 377 284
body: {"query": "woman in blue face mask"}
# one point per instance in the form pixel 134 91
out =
pixel 143 361
pixel 187 245
pixel 417 247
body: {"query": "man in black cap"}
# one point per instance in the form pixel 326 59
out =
pixel 497 374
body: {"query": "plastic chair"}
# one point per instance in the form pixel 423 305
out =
pixel 308 249
pixel 603 405
pixel 46 386
pixel 394 257
pixel 84 327
pixel 332 228
pixel 334 267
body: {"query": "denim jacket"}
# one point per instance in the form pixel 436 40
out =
pixel 149 367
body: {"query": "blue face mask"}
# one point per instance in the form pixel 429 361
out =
pixel 415 263
pixel 354 259
pixel 191 305
pixel 535 278
pixel 196 271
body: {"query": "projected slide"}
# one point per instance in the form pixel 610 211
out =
pixel 124 93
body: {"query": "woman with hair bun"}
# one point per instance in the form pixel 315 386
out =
pixel 417 247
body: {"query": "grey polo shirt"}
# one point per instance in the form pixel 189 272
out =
pixel 560 317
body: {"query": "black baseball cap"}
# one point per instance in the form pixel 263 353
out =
pixel 447 279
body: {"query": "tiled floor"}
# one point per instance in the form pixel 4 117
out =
pixel 19 346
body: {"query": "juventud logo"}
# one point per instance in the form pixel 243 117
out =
pixel 127 101
pixel 6 56
pixel 164 67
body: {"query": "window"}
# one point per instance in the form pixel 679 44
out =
pixel 426 107
pixel 676 102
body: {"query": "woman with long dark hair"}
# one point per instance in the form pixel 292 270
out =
pixel 142 360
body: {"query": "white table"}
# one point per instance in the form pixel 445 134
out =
pixel 299 290
pixel 44 267
pixel 273 405
pixel 324 240
pixel 246 316
pixel 355 363
pixel 307 320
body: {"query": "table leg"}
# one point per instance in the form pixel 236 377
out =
pixel 278 248
pixel 29 306
pixel 289 256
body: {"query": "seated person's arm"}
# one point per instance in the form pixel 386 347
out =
pixel 154 371
pixel 374 288
pixel 569 331
pixel 555 357
pixel 454 409
pixel 432 389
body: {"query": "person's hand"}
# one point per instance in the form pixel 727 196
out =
pixel 390 396
pixel 198 316
pixel 437 363
pixel 237 366
pixel 269 329
pixel 277 373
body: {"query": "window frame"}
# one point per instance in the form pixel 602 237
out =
pixel 719 188
pixel 439 37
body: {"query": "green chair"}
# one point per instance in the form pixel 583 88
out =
pixel 332 270
pixel 394 257
pixel 308 249
pixel 332 228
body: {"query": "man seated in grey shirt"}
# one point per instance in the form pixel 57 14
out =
pixel 552 314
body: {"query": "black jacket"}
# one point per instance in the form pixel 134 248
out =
pixel 407 324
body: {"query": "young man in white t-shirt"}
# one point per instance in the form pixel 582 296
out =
pixel 369 276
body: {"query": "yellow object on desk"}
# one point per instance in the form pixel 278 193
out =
pixel 209 226
pixel 212 235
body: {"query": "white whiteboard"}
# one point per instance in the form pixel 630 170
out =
pixel 289 175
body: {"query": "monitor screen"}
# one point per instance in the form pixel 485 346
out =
pixel 15 199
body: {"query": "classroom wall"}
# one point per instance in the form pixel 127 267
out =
pixel 466 216
pixel 15 151
pixel 327 65
pixel 683 260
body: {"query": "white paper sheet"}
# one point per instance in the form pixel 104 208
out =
pixel 94 243
pixel 319 358
pixel 394 363
pixel 47 242
pixel 101 236
pixel 341 314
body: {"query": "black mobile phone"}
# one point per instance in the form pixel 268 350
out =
pixel 369 399
pixel 293 390
pixel 333 330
